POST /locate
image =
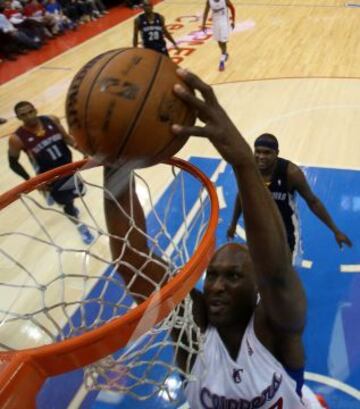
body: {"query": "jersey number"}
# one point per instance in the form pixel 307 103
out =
pixel 54 152
pixel 278 404
pixel 154 35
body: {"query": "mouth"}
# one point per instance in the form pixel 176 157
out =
pixel 217 305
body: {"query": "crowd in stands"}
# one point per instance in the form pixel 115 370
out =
pixel 27 25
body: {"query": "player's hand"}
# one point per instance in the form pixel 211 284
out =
pixel 232 25
pixel 204 29
pixel 342 239
pixel 218 127
pixel 230 234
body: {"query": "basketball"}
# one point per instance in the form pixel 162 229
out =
pixel 120 107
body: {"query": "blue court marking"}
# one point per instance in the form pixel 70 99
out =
pixel 332 340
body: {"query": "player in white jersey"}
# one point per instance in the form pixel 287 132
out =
pixel 220 25
pixel 253 308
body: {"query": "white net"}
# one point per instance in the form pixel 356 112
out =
pixel 53 287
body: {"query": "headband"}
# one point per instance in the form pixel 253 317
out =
pixel 267 143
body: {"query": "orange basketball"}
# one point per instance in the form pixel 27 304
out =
pixel 120 107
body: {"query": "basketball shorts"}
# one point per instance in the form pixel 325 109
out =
pixel 221 31
pixel 66 189
pixel 159 48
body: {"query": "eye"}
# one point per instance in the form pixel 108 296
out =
pixel 210 275
pixel 234 276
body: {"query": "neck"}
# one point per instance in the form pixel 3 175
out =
pixel 33 125
pixel 232 336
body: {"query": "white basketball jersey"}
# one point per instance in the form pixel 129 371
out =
pixel 219 11
pixel 255 380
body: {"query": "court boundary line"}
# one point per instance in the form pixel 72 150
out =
pixel 333 383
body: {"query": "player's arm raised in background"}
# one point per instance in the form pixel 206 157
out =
pixel 297 181
pixel 14 151
pixel 136 32
pixel 205 15
pixel 166 32
pixel 280 317
pixel 232 11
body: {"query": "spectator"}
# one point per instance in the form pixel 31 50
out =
pixel 36 12
pixel 53 8
pixel 17 37
pixel 31 28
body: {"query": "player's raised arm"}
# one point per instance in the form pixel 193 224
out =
pixel 282 295
pixel 230 234
pixel 126 224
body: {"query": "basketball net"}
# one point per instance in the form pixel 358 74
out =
pixel 57 292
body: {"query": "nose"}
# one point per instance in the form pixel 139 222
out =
pixel 218 285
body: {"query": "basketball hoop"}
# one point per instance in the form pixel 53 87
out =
pixel 24 370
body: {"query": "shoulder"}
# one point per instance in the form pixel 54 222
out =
pixel 293 171
pixel 15 142
pixel 51 118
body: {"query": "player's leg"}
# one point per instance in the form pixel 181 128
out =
pixel 221 33
pixel 64 191
pixel 224 55
pixel 125 221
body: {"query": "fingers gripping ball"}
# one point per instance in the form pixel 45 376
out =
pixel 120 107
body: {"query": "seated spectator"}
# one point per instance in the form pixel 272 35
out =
pixel 77 11
pixel 36 11
pixel 53 8
pixel 31 28
pixel 14 41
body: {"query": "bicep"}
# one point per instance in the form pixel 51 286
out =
pixel 284 301
pixel 15 146
pixel 300 184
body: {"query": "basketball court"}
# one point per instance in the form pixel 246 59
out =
pixel 294 71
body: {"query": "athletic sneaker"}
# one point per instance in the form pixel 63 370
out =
pixel 222 66
pixel 85 234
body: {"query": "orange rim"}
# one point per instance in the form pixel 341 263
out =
pixel 39 363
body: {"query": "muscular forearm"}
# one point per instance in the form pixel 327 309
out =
pixel 16 167
pixel 264 227
pixel 320 211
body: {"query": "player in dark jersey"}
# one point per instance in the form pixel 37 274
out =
pixel 284 179
pixel 152 29
pixel 45 142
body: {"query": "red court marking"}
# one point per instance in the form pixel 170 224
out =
pixel 12 69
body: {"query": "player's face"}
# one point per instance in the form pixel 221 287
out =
pixel 27 114
pixel 265 157
pixel 229 289
pixel 148 8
